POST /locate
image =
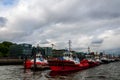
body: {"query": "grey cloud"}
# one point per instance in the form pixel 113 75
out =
pixel 94 9
pixel 63 20
pixel 104 9
pixel 70 14
pixel 44 42
pixel 97 41
pixel 11 36
pixel 104 15
pixel 117 31
pixel 3 21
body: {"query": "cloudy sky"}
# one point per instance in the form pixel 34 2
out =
pixel 94 23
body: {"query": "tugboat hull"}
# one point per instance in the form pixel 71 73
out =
pixel 29 64
pixel 59 65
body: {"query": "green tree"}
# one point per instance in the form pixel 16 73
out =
pixel 16 50
pixel 4 48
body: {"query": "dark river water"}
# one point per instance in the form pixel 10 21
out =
pixel 109 71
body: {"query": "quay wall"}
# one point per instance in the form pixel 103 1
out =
pixel 11 61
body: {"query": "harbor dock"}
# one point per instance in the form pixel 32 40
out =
pixel 11 61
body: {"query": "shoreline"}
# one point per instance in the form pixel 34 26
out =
pixel 11 62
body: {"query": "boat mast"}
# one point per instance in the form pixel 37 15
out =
pixel 69 45
pixel 88 50
pixel 52 45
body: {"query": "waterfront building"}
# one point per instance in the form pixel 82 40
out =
pixel 45 51
pixel 26 49
pixel 80 55
pixel 20 50
pixel 58 53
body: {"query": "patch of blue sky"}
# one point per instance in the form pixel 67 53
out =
pixel 8 2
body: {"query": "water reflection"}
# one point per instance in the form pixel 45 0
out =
pixel 103 72
pixel 34 75
pixel 56 73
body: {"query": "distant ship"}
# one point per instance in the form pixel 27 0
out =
pixel 92 62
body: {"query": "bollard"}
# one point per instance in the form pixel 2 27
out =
pixel 25 59
pixel 34 68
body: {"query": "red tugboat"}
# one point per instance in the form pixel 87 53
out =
pixel 68 62
pixel 92 60
pixel 40 62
